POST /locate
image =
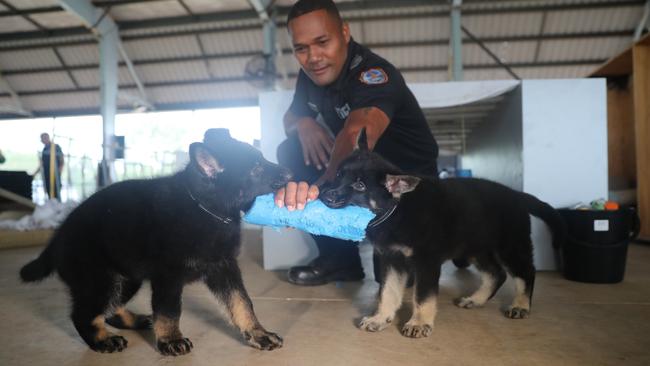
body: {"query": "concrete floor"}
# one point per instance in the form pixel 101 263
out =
pixel 571 323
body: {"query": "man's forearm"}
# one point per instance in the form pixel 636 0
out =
pixel 343 146
pixel 290 122
pixel 375 122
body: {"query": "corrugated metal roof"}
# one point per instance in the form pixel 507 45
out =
pixel 28 59
pixel 583 49
pixel 162 47
pixel 149 10
pixel 40 81
pixel 197 56
pixel 596 20
pixel 79 55
pixel 232 41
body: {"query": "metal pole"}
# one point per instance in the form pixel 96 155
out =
pixel 456 42
pixel 644 23
pixel 108 51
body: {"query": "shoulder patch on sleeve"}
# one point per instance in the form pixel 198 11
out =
pixel 374 76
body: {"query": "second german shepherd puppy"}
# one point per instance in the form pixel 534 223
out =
pixel 421 222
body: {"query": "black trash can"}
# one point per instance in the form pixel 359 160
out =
pixel 595 250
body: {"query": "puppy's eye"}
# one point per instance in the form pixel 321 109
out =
pixel 359 186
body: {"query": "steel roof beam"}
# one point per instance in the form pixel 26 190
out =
pixel 17 107
pixel 293 75
pixel 241 102
pixel 31 11
pixel 427 43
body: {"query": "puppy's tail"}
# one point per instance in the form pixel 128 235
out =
pixel 39 268
pixel 550 216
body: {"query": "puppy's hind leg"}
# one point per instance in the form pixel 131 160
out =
pixel 226 284
pixel 492 278
pixel 123 318
pixel 90 299
pixel 520 265
pixel 425 300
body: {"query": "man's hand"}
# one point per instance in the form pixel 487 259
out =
pixel 316 143
pixel 295 195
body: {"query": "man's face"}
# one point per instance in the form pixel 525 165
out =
pixel 45 139
pixel 320 44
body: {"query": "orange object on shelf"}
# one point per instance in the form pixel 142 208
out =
pixel 611 206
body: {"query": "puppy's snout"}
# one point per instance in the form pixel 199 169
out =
pixel 284 176
pixel 329 196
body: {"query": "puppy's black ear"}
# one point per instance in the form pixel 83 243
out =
pixel 215 137
pixel 400 184
pixel 207 163
pixel 362 141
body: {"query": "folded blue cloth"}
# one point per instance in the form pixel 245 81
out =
pixel 347 223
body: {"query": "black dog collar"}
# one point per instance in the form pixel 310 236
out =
pixel 225 220
pixel 384 217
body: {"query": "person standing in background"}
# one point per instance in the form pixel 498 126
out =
pixel 51 166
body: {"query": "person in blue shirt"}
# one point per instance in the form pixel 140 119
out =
pixel 52 191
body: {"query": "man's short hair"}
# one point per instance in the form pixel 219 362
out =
pixel 302 7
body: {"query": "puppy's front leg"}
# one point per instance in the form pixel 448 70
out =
pixel 227 286
pixel 166 306
pixel 390 299
pixel 425 295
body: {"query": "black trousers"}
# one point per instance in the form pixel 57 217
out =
pixel 334 253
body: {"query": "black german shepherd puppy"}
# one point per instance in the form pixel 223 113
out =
pixel 421 222
pixel 170 231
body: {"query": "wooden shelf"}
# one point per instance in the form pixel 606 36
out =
pixel 628 113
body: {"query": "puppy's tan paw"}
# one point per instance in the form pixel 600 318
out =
pixel 175 347
pixel 417 330
pixel 466 303
pixel 514 312
pixel 374 323
pixel 263 340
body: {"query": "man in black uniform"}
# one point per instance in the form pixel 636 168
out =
pixel 341 88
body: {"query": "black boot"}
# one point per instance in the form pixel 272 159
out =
pixel 339 261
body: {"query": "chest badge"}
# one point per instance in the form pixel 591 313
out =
pixel 374 76
pixel 343 112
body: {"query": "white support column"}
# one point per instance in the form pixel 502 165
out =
pixel 270 42
pixel 456 42
pixel 108 53
pixel 644 22
pixel 107 33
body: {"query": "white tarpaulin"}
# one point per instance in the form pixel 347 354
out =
pixel 48 216
pixel 444 95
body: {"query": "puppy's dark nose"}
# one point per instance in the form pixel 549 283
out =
pixel 286 175
pixel 328 196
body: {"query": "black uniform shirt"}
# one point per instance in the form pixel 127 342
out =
pixel 368 80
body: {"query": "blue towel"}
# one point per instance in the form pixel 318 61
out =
pixel 347 223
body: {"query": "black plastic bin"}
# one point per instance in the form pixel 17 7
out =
pixel 596 247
